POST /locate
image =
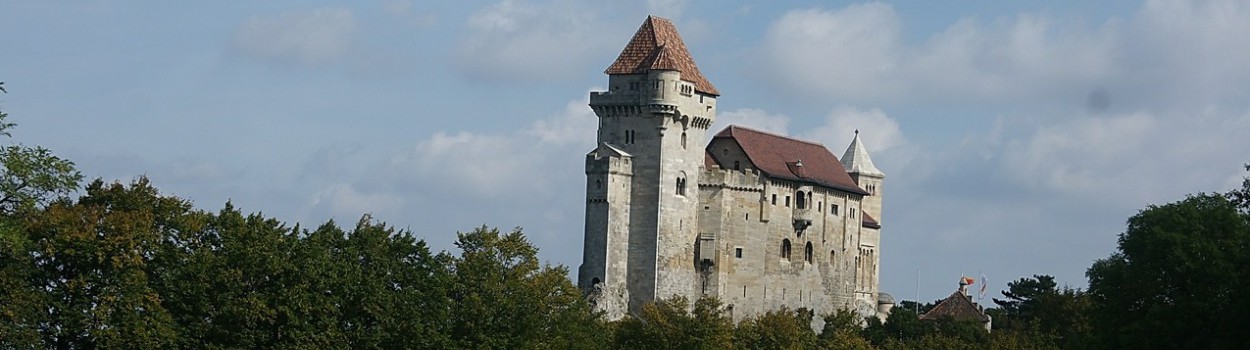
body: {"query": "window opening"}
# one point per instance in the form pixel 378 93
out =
pixel 737 166
pixel 799 200
pixel 807 253
pixel 774 199
pixel 681 185
pixel 738 253
pixel 785 249
pixel 683 140
pixel 787 201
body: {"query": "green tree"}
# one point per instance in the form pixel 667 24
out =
pixel 30 178
pixel 1178 278
pixel 666 324
pixel 1037 304
pixel 842 332
pixel 777 329
pixel 95 259
pixel 504 299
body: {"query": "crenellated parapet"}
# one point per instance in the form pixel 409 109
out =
pixel 746 180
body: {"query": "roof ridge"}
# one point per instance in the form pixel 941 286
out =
pixel 773 134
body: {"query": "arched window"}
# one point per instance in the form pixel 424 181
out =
pixel 799 200
pixel 785 249
pixel 683 140
pixel 832 256
pixel 807 253
pixel 681 184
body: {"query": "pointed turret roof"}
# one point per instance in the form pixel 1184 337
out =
pixel 657 45
pixel 856 159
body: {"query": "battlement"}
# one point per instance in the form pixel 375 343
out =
pixel 748 179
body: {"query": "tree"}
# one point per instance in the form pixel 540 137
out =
pixel 1178 278
pixel 94 262
pixel 667 324
pixel 1037 304
pixel 504 299
pixel 777 329
pixel 32 176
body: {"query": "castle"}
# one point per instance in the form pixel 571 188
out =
pixel 760 221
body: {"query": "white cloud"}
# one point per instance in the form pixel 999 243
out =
pixel 505 164
pixel 752 118
pixel 523 39
pixel 850 52
pixel 1169 54
pixel 309 37
pixel 576 125
pixel 1132 158
pixel 344 201
pixel 878 131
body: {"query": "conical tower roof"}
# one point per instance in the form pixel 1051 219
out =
pixel 657 45
pixel 857 161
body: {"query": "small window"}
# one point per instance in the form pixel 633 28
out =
pixel 737 165
pixel 820 207
pixel 785 249
pixel 738 253
pixel 833 209
pixel 774 199
pixel 681 185
pixel 800 200
pixel 787 201
pixel 683 140
pixel 807 253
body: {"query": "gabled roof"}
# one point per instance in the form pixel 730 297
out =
pixel 958 307
pixel 869 221
pixel 856 159
pixel 657 45
pixel 779 157
pixel 609 150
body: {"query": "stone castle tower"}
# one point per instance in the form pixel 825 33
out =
pixel 667 216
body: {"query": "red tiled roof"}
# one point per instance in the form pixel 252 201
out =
pixel 958 307
pixel 657 45
pixel 777 156
pixel 869 221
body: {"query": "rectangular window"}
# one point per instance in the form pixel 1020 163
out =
pixel 833 209
pixel 738 253
pixel 774 199
pixel 787 201
pixel 820 207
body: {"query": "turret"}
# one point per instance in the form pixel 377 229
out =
pixel 859 165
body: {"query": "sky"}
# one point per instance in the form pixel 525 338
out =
pixel 1016 136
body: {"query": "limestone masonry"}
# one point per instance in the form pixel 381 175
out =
pixel 758 220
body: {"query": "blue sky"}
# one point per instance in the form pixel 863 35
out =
pixel 1017 137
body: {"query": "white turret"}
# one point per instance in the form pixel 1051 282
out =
pixel 857 161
